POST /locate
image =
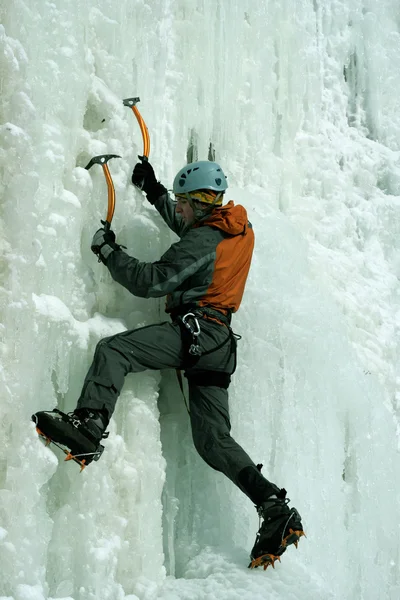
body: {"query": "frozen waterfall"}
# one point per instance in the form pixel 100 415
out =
pixel 299 101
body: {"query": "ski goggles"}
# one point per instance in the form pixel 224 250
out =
pixel 203 196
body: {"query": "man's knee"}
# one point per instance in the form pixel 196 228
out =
pixel 103 345
pixel 203 442
pixel 105 341
pixel 110 348
pixel 210 445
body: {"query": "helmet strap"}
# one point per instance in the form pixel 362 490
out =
pixel 217 197
pixel 200 214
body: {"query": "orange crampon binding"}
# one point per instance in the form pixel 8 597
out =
pixel 292 538
pixel 265 560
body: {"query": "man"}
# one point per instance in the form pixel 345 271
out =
pixel 203 276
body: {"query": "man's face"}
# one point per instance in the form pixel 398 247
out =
pixel 184 209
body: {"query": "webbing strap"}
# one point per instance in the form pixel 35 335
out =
pixel 210 378
pixel 204 378
pixel 214 313
pixel 180 381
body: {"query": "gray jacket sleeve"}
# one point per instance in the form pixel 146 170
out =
pixel 152 280
pixel 166 208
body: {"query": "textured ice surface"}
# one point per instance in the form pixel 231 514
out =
pixel 299 103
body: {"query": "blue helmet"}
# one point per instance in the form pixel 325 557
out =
pixel 201 175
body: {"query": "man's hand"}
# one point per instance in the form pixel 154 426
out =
pixel 143 175
pixel 144 178
pixel 103 244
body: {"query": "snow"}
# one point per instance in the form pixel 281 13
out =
pixel 300 101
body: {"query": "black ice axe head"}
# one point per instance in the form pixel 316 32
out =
pixel 102 160
pixel 131 101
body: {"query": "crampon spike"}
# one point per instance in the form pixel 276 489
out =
pixel 72 457
pixel 69 456
pixel 47 439
pixel 264 561
pixel 83 459
pixel 292 538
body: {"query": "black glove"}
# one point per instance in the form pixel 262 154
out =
pixel 144 178
pixel 103 244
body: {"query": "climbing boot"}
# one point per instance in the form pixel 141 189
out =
pixel 281 526
pixel 78 433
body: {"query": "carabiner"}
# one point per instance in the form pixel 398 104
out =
pixel 194 331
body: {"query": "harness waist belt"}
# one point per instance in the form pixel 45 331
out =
pixel 201 311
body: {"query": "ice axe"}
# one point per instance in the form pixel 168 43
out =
pixel 102 160
pixel 131 103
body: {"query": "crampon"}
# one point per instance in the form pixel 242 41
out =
pixel 76 434
pixel 82 459
pixel 265 560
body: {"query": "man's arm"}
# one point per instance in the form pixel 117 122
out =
pixel 152 280
pixel 144 178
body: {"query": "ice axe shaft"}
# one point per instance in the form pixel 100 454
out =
pixel 131 103
pixel 103 160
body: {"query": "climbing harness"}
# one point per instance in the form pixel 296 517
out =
pixel 190 330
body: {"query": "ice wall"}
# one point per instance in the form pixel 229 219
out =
pixel 299 101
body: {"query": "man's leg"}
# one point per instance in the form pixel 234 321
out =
pixel 152 347
pixel 209 415
pixel 281 525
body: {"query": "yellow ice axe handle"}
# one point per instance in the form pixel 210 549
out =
pixel 131 103
pixel 111 197
pixel 103 160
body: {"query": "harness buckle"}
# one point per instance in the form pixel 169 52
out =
pixel 75 422
pixel 195 350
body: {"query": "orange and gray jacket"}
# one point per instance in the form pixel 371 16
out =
pixel 207 267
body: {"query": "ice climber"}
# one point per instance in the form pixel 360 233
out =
pixel 203 277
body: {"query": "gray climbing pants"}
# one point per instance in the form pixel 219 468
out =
pixel 160 347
